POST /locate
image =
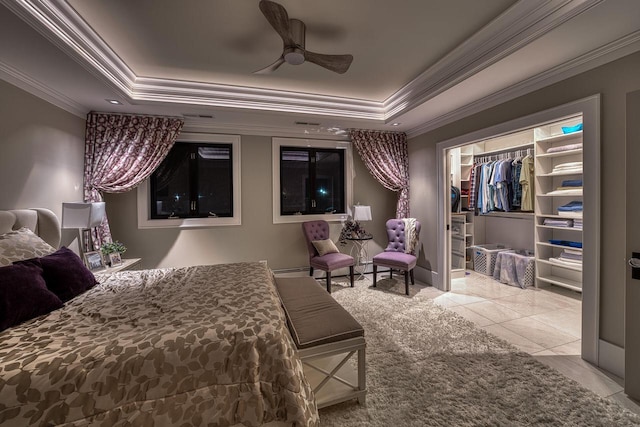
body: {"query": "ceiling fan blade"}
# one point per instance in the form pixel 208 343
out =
pixel 271 68
pixel 277 16
pixel 337 63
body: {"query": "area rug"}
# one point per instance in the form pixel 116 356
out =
pixel 427 366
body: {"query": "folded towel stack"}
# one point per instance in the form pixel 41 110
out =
pixel 572 209
pixel 568 167
pixel 567 147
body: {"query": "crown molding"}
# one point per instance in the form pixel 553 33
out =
pixel 36 88
pixel 610 52
pixel 519 25
pixel 216 95
pixel 198 125
pixel 60 24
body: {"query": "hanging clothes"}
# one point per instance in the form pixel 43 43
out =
pixel 515 183
pixel 496 182
pixel 527 175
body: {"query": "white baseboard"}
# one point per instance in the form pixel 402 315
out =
pixel 611 358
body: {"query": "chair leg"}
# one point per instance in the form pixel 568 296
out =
pixel 413 280
pixel 351 275
pixel 406 282
pixel 375 271
pixel 390 273
pixel 329 281
pixel 310 271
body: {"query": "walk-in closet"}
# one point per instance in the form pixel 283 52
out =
pixel 517 210
pixel 520 216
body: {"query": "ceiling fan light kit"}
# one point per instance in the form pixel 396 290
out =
pixel 292 32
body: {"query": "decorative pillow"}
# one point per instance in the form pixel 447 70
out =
pixel 325 247
pixel 20 245
pixel 24 294
pixel 64 273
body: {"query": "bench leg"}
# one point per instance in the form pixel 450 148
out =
pixel 351 275
pixel 406 282
pixel 329 281
pixel 375 271
pixel 362 374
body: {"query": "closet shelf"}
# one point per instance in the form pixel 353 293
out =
pixel 512 214
pixel 552 174
pixel 561 281
pixel 551 169
pixel 561 137
pixel 576 194
pixel 559 228
pixel 551 245
pixel 554 216
pixel 565 267
pixel 560 153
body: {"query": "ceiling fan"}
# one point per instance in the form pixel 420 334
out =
pixel 292 32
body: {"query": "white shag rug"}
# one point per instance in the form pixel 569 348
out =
pixel 427 366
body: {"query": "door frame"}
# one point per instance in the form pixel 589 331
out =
pixel 632 287
pixel 590 109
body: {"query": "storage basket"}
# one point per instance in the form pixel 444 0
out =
pixel 511 271
pixel 484 257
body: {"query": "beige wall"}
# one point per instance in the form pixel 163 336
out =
pixel 282 245
pixel 613 81
pixel 41 153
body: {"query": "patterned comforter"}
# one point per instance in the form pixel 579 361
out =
pixel 193 346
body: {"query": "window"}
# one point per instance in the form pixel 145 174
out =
pixel 195 180
pixel 197 184
pixel 311 179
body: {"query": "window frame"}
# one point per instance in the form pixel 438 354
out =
pixel 276 144
pixel 144 190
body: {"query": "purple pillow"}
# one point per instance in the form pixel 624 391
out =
pixel 24 294
pixel 65 273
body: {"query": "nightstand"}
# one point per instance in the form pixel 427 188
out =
pixel 127 264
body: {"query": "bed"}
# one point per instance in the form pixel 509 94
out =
pixel 205 345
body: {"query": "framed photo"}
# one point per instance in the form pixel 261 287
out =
pixel 93 260
pixel 115 259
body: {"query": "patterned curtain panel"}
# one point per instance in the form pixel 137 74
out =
pixel 386 156
pixel 121 151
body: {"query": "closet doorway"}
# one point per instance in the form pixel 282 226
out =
pixel 563 177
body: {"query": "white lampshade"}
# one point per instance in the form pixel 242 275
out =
pixel 362 213
pixel 82 214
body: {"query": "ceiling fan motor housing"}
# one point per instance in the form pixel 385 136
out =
pixel 294 55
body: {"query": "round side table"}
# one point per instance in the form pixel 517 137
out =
pixel 359 252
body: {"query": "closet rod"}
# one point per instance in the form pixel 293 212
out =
pixel 504 150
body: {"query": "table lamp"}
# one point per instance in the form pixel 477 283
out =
pixel 361 213
pixel 83 216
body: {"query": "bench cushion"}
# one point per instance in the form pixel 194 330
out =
pixel 314 317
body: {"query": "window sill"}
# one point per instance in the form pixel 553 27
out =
pixel 187 222
pixel 293 219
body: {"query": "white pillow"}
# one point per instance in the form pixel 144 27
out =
pixel 20 245
pixel 325 247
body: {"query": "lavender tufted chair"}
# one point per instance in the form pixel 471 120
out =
pixel 394 255
pixel 319 230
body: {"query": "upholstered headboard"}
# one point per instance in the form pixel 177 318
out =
pixel 41 221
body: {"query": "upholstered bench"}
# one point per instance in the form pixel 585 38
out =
pixel 326 336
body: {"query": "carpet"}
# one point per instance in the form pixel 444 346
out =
pixel 427 366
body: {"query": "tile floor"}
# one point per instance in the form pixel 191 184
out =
pixel 545 322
